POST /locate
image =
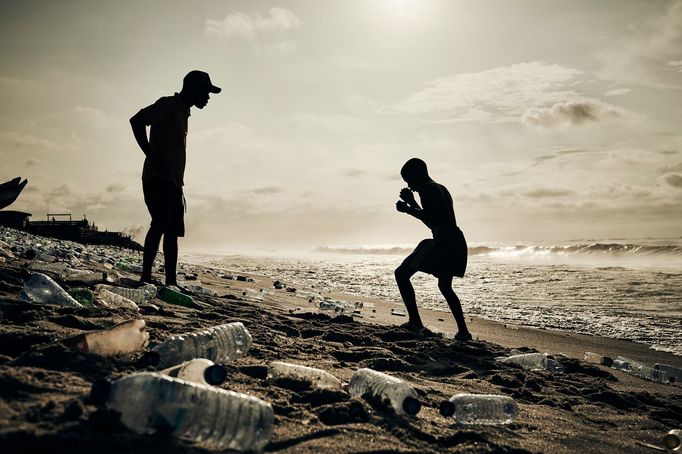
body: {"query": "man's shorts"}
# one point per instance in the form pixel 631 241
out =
pixel 165 203
pixel 442 257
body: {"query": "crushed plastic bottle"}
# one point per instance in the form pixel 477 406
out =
pixel 199 289
pixel 485 409
pixel 74 277
pixel 595 358
pixel 317 378
pixel 332 306
pixel 41 289
pixel 390 391
pixel 220 343
pixel 111 300
pixel 198 370
pixel 640 370
pixel 207 416
pixel 533 361
pixel 172 295
pixel 121 339
pixel 139 295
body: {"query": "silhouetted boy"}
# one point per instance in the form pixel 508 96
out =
pixel 444 256
pixel 164 168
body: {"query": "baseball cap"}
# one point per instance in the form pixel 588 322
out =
pixel 199 79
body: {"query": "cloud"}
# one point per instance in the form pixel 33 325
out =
pixel 354 173
pixel 618 92
pixel 245 26
pixel 572 113
pixel 280 48
pixel 503 93
pixel 268 190
pixel 674 180
pixel 548 192
pixel 116 187
pixel 646 52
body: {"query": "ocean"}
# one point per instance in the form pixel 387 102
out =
pixel 626 289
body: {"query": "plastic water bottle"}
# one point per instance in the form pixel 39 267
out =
pixel 487 409
pixel 220 343
pixel 317 378
pixel 389 390
pixel 207 416
pixel 111 300
pixel 123 338
pixel 674 373
pixel 173 296
pixel 198 289
pixel 333 307
pixel 252 294
pixel 41 289
pixel 139 295
pixel 533 361
pixel 594 358
pixel 198 370
pixel 640 370
pixel 86 278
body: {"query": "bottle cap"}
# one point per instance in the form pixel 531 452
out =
pixel 100 392
pixel 215 374
pixel 671 440
pixel 447 408
pixel 411 405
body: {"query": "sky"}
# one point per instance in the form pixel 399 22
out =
pixel 547 121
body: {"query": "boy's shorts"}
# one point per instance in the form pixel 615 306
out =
pixel 441 257
pixel 165 203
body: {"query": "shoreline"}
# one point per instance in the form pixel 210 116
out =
pixel 44 385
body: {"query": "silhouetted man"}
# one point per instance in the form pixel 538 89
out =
pixel 164 167
pixel 444 256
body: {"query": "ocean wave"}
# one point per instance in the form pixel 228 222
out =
pixel 520 251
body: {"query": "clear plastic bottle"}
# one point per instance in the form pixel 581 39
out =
pixel 252 294
pixel 121 339
pixel 111 300
pixel 533 361
pixel 199 289
pixel 595 358
pixel 332 306
pixel 486 409
pixel 139 295
pixel 316 377
pixel 220 343
pixel 389 390
pixel 41 289
pixel 210 417
pixel 640 370
pixel 198 370
pixel 86 278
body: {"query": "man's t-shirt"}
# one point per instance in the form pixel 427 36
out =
pixel 167 138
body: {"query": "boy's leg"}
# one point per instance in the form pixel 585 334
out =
pixel 170 256
pixel 151 247
pixel 445 286
pixel 402 276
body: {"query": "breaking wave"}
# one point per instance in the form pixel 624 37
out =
pixel 597 249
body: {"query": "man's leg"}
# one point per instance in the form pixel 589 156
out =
pixel 445 286
pixel 151 247
pixel 402 276
pixel 170 255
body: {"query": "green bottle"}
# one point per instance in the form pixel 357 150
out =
pixel 82 295
pixel 171 296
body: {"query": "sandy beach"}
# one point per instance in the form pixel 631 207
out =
pixel 44 385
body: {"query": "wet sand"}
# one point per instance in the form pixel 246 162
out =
pixel 44 386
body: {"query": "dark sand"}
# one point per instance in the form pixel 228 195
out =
pixel 44 386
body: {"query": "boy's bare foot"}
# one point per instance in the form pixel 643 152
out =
pixel 463 336
pixel 412 326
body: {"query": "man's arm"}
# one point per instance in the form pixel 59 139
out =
pixel 418 213
pixel 140 133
